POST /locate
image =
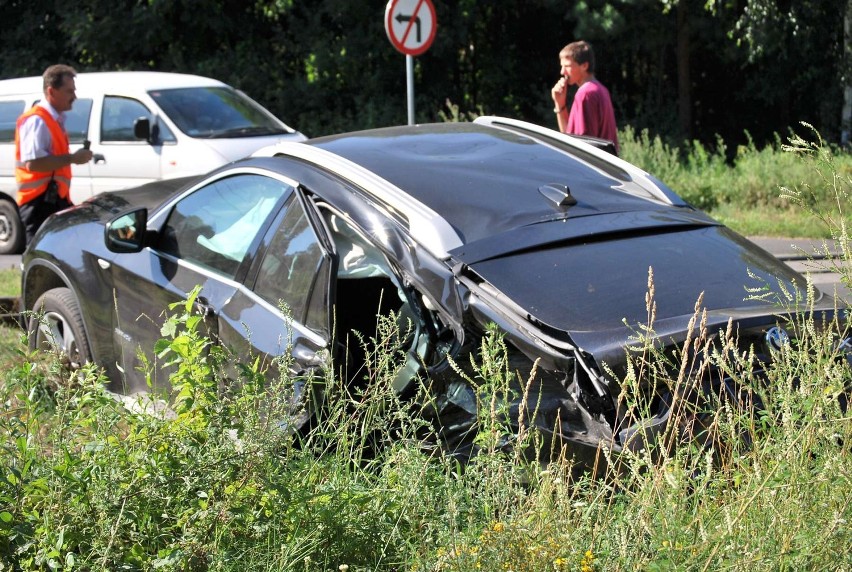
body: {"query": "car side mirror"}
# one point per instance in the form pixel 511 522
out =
pixel 142 129
pixel 126 232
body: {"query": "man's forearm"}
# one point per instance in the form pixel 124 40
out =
pixel 48 163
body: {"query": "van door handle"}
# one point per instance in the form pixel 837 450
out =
pixel 98 158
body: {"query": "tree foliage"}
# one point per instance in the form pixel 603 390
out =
pixel 756 66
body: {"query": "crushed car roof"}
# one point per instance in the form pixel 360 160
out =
pixel 490 181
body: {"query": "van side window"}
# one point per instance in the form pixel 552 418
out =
pixel 119 115
pixel 77 120
pixel 9 113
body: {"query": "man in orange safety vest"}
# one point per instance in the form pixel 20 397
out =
pixel 42 156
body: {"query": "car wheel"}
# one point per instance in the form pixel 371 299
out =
pixel 11 229
pixel 57 325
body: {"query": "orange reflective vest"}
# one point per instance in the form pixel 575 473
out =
pixel 33 183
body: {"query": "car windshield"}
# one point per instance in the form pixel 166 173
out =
pixel 216 112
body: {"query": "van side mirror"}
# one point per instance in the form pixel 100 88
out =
pixel 142 129
pixel 126 232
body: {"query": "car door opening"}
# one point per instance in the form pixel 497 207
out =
pixel 367 287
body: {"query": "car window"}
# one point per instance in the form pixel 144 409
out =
pixel 215 225
pixel 9 113
pixel 119 116
pixel 209 112
pixel 293 264
pixel 77 120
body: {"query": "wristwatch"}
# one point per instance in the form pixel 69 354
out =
pixel 559 109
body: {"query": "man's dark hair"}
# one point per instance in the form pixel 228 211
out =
pixel 581 52
pixel 55 75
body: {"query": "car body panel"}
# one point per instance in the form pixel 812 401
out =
pixel 494 185
pixel 573 287
pixel 452 228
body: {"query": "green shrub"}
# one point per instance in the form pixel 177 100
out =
pixel 746 190
pixel 694 172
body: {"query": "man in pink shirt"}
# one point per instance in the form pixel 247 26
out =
pixel 591 111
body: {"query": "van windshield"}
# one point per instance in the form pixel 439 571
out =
pixel 216 112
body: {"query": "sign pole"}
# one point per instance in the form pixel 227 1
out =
pixel 409 74
pixel 410 26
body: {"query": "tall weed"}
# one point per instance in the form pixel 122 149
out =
pixel 225 485
pixel 825 197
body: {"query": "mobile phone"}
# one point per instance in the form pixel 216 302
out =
pixel 51 194
pixel 86 144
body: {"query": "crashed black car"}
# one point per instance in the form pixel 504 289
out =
pixel 454 227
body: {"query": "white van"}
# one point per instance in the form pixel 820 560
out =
pixel 143 126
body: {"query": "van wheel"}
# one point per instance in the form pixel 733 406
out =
pixel 56 324
pixel 11 229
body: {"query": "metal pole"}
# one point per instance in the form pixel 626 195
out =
pixel 409 73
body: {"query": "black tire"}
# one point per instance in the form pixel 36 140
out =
pixel 11 228
pixel 56 324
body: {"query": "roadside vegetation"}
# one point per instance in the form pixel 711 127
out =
pixel 744 192
pixel 221 481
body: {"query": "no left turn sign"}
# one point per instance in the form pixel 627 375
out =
pixel 411 25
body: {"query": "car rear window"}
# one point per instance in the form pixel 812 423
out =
pixel 599 284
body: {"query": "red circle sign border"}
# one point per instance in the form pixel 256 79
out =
pixel 397 43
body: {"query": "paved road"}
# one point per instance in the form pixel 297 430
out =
pixel 805 256
pixel 810 257
pixel 9 261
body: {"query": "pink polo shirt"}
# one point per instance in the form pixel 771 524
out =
pixel 592 113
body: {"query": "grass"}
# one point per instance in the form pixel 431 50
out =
pixel 10 282
pixel 10 345
pixel 776 222
pixel 220 485
pixel 10 287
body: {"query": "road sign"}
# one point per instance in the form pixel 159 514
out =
pixel 411 25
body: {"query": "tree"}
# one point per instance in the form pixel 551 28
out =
pixel 32 39
pixel 683 69
pixel 801 50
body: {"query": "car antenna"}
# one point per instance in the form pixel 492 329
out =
pixel 559 194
